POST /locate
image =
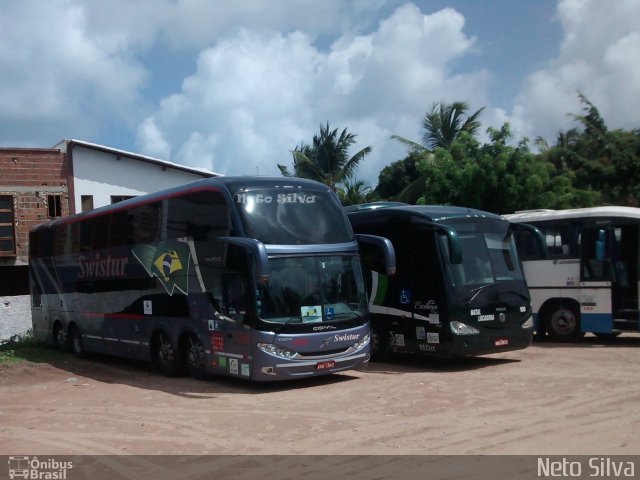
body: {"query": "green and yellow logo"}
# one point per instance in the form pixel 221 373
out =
pixel 167 264
pixel 169 261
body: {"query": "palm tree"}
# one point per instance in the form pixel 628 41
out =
pixel 327 159
pixel 442 124
pixel 353 192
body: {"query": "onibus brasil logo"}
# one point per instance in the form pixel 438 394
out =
pixel 38 468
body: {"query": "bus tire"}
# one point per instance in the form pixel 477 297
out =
pixel 379 345
pixel 75 341
pixel 165 357
pixel 196 358
pixel 562 322
pixel 60 338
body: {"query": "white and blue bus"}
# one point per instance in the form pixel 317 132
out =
pixel 589 282
pixel 459 288
pixel 249 277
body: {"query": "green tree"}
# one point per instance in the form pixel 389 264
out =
pixel 395 177
pixel 326 159
pixel 354 192
pixel 443 124
pixel 604 162
pixel 497 177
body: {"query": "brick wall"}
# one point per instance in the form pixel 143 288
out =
pixel 30 176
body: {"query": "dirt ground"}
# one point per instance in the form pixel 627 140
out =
pixel 550 399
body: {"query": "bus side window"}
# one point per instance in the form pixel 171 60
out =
pixel 557 241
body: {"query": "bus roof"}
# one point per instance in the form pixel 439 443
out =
pixel 213 184
pixel 592 212
pixel 434 213
pixel 372 206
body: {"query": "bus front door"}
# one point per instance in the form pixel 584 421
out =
pixel 424 305
pixel 596 302
pixel 232 343
pixel 624 262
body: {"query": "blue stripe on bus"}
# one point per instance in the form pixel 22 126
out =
pixel 596 322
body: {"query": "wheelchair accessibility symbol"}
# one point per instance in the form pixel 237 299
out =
pixel 405 297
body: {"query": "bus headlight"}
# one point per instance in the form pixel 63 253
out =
pixel 276 350
pixel 528 323
pixel 361 343
pixel 459 328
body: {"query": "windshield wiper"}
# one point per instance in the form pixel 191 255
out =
pixel 478 290
pixel 284 324
pixel 358 315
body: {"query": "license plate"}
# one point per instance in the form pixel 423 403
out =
pixel 501 342
pixel 325 365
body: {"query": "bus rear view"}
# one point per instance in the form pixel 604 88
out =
pixel 459 289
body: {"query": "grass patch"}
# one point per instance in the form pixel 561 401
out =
pixel 25 347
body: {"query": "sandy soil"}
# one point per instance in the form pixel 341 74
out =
pixel 550 399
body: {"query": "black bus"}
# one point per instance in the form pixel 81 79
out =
pixel 459 288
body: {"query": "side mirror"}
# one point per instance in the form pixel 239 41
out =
pixel 538 235
pixel 455 251
pixel 385 246
pixel 257 250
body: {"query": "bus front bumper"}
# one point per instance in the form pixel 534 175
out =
pixel 496 342
pixel 279 369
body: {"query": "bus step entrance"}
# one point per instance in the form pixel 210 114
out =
pixel 626 324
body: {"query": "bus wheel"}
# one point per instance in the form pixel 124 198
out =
pixel 165 356
pixel 77 346
pixel 196 358
pixel 563 323
pixel 60 337
pixel 379 350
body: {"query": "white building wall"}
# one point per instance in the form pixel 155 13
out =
pixel 102 175
pixel 15 315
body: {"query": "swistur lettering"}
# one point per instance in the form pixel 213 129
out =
pixel 98 267
pixel 346 336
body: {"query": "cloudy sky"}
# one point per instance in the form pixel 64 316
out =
pixel 234 86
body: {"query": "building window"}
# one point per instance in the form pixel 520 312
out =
pixel 87 202
pixel 119 198
pixel 7 228
pixel 54 205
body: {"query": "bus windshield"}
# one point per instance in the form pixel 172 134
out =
pixel 287 216
pixel 312 289
pixel 488 255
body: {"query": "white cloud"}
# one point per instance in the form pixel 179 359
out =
pixel 597 57
pixel 56 75
pixel 256 95
pixel 151 136
pixel 183 25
